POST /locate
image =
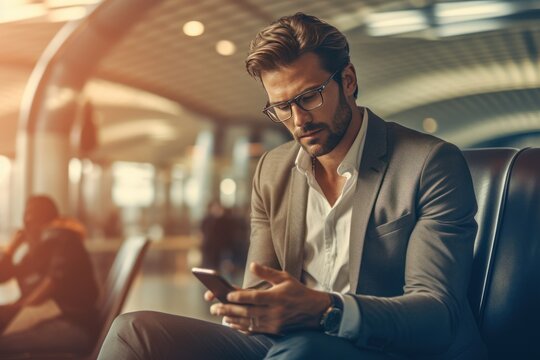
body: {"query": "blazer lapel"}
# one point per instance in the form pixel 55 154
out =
pixel 296 224
pixel 372 168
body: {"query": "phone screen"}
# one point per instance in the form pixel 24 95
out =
pixel 214 282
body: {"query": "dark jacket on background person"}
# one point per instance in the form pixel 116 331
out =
pixel 60 255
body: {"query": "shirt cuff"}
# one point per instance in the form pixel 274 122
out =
pixel 350 319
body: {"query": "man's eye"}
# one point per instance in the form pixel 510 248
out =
pixel 309 97
pixel 282 107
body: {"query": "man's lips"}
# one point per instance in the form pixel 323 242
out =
pixel 310 133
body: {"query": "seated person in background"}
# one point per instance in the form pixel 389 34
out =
pixel 220 229
pixel 214 228
pixel 49 262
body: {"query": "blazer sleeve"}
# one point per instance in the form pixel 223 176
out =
pixel 261 248
pixel 438 262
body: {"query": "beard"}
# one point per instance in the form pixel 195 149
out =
pixel 335 130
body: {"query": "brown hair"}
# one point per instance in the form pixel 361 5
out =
pixel 288 38
pixel 44 207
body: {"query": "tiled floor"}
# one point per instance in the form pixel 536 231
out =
pixel 179 294
pixel 166 284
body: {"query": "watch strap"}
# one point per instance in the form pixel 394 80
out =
pixel 336 301
pixel 336 305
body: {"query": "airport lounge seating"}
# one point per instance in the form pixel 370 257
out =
pixel 505 287
pixel 125 267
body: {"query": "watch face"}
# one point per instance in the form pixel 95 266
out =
pixel 332 321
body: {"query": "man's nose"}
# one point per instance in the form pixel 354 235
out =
pixel 300 116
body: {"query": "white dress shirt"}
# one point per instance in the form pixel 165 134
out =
pixel 328 230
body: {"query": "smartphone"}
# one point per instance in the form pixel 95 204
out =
pixel 214 282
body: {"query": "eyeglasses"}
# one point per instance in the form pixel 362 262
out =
pixel 307 101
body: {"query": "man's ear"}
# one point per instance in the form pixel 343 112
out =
pixel 348 80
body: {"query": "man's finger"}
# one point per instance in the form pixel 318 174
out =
pixel 247 326
pixel 273 276
pixel 252 297
pixel 209 296
pixel 233 310
pixel 237 322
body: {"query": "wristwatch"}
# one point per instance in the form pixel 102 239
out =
pixel 331 318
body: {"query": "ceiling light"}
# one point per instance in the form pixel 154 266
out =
pixel 65 3
pixel 225 47
pixel 193 28
pixel 44 10
pixel 430 125
pixel 396 22
pixel 17 11
pixel 67 14
pixel 451 18
pixel 472 10
pixel 469 27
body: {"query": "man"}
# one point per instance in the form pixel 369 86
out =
pixel 362 231
pixel 50 263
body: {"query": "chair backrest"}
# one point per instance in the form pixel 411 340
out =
pixel 505 284
pixel 490 170
pixel 126 264
pixel 511 317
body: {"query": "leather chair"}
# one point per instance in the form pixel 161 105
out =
pixel 505 286
pixel 504 289
pixel 125 268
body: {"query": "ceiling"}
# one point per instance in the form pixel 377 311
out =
pixel 471 88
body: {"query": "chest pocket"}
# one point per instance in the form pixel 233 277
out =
pixel 404 221
pixel 384 257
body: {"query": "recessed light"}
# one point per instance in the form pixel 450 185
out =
pixel 66 3
pixel 67 14
pixel 430 125
pixel 225 47
pixel 193 28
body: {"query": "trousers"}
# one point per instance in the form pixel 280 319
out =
pixel 159 336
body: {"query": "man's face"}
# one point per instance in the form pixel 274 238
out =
pixel 320 130
pixel 33 220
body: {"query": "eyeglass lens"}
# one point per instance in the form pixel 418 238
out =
pixel 308 101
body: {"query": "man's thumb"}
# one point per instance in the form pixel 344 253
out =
pixel 273 276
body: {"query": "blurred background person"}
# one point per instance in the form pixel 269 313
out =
pixel 240 241
pixel 219 236
pixel 48 260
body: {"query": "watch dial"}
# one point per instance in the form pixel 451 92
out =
pixel 333 321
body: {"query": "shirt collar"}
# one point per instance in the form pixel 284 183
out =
pixel 351 161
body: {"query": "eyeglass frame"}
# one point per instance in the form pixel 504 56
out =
pixel 319 89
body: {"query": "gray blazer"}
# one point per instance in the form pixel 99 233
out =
pixel 411 245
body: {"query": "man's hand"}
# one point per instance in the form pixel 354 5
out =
pixel 287 305
pixel 209 295
pixel 7 313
